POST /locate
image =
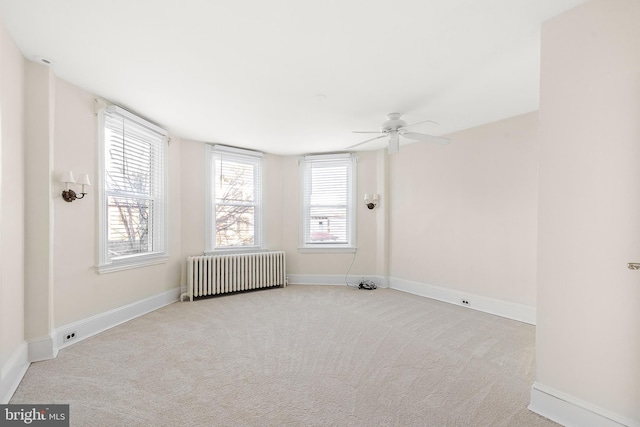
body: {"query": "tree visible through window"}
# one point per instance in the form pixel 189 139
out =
pixel 133 199
pixel 236 181
pixel 129 173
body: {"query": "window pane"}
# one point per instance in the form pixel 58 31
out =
pixel 328 225
pixel 129 227
pixel 133 201
pixel 327 200
pixel 235 225
pixel 234 182
pixel 329 184
pixel 236 197
pixel 129 162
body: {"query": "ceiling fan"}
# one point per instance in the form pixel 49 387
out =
pixel 395 127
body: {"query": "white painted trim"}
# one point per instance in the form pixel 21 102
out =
pixel 12 372
pixel 112 108
pixel 303 200
pixel 571 411
pixel 209 209
pixel 243 152
pixel 521 313
pixel 101 322
pixel 381 281
pixel 333 279
pixel 239 155
pixel 160 217
pixel 43 348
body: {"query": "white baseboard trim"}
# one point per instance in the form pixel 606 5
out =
pixel 42 349
pixel 101 322
pixel 12 371
pixel 571 411
pixel 333 279
pixel 521 313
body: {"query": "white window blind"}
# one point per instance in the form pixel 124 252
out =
pixel 236 199
pixel 328 215
pixel 134 196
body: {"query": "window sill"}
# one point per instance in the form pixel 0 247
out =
pixel 236 251
pixel 327 250
pixel 130 263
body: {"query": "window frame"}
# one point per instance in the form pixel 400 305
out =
pixel 249 156
pixel 159 219
pixel 351 245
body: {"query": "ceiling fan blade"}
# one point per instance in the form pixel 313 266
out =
pixel 426 138
pixel 364 142
pixel 366 131
pixel 424 121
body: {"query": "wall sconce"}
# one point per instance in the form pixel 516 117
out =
pixel 69 195
pixel 371 202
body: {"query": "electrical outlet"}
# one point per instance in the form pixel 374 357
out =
pixel 465 301
pixel 70 336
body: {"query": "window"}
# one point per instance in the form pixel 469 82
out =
pixel 234 219
pixel 328 208
pixel 133 202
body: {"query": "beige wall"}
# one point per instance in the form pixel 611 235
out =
pixel 39 96
pixel 366 220
pixel 79 291
pixel 11 203
pixel 62 285
pixel 193 198
pixel 273 201
pixel 463 216
pixel 192 158
pixel 282 212
pixel 588 334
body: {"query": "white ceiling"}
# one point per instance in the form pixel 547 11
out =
pixel 294 76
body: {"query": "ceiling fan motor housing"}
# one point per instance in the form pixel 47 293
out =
pixel 395 127
pixel 393 123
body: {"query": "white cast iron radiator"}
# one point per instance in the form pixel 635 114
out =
pixel 221 274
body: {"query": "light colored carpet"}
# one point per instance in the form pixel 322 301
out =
pixel 298 356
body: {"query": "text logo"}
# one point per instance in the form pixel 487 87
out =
pixel 34 415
